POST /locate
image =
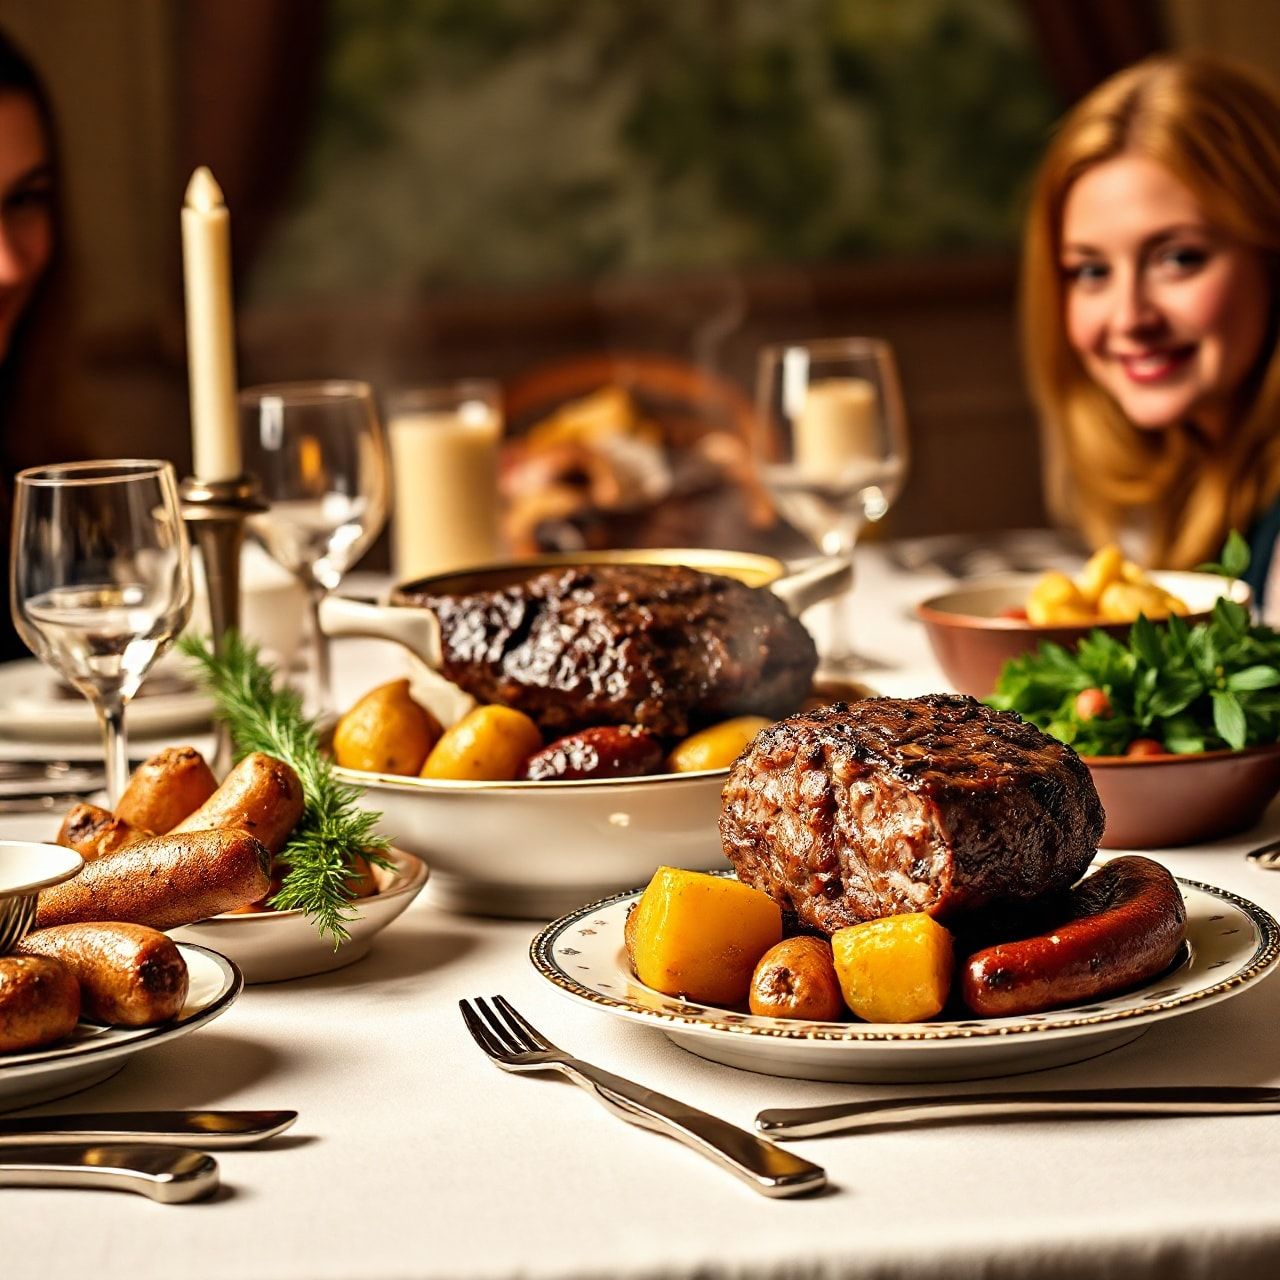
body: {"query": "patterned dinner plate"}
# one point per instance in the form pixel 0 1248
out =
pixel 1231 944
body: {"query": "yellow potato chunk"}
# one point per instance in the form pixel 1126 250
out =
pixel 1123 601
pixel 1104 567
pixel 1055 600
pixel 489 744
pixel 701 936
pixel 716 747
pixel 385 732
pixel 894 970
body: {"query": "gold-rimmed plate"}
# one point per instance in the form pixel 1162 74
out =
pixel 1231 944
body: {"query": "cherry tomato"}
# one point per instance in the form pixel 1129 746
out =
pixel 1093 704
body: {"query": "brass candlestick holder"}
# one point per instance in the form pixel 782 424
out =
pixel 215 512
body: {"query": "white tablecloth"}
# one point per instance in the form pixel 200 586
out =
pixel 413 1157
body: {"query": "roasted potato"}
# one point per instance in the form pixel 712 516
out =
pixel 1056 601
pixel 715 747
pixel 489 743
pixel 897 969
pixel 386 732
pixel 796 978
pixel 700 936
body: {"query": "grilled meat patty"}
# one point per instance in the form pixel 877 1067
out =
pixel 664 647
pixel 889 805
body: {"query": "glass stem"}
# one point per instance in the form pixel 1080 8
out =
pixel 321 666
pixel 115 746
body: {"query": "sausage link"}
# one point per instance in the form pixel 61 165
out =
pixel 261 795
pixel 606 751
pixel 39 1002
pixel 164 882
pixel 165 789
pixel 1120 926
pixel 95 833
pixel 129 975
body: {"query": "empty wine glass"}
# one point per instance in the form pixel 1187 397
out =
pixel 319 454
pixel 100 581
pixel 832 449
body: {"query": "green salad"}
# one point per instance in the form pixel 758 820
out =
pixel 1170 688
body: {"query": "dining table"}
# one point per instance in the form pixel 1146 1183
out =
pixel 415 1158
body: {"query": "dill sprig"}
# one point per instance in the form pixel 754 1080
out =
pixel 320 854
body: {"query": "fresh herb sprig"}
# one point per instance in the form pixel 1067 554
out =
pixel 1205 687
pixel 321 850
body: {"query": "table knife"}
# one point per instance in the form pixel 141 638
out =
pixel 216 1130
pixel 1179 1100
pixel 160 1173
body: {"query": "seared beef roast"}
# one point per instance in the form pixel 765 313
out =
pixel 889 805
pixel 660 646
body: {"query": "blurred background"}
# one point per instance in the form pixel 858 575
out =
pixel 622 201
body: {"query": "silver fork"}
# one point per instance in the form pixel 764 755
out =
pixel 514 1045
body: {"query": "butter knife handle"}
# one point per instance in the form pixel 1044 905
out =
pixel 762 1165
pixel 813 1122
pixel 164 1174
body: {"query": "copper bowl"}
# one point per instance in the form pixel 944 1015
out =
pixel 1163 801
pixel 972 640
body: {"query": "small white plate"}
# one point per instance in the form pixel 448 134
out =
pixel 92 1052
pixel 270 946
pixel 34 705
pixel 1231 944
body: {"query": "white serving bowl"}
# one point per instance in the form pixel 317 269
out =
pixel 26 867
pixel 534 850
pixel 270 946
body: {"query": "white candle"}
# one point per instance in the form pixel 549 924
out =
pixel 445 474
pixel 838 423
pixel 211 359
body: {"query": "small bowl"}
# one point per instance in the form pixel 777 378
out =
pixel 972 641
pixel 26 867
pixel 1164 801
pixel 270 946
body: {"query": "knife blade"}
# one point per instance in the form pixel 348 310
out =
pixel 216 1130
pixel 1180 1100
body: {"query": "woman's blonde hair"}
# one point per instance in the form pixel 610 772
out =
pixel 1216 127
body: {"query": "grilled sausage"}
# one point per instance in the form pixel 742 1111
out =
pixel 1119 927
pixel 129 975
pixel 39 1002
pixel 94 833
pixel 261 795
pixel 607 751
pixel 168 787
pixel 165 881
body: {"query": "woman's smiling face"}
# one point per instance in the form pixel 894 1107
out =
pixel 1167 314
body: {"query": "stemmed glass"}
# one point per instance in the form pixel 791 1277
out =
pixel 100 581
pixel 832 449
pixel 319 454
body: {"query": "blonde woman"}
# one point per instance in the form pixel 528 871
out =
pixel 1150 307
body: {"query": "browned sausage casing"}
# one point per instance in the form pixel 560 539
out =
pixel 168 787
pixel 39 1002
pixel 129 975
pixel 1121 925
pixel 95 833
pixel 165 881
pixel 607 751
pixel 261 795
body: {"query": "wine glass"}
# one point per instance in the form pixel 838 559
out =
pixel 100 581
pixel 832 450
pixel 319 454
